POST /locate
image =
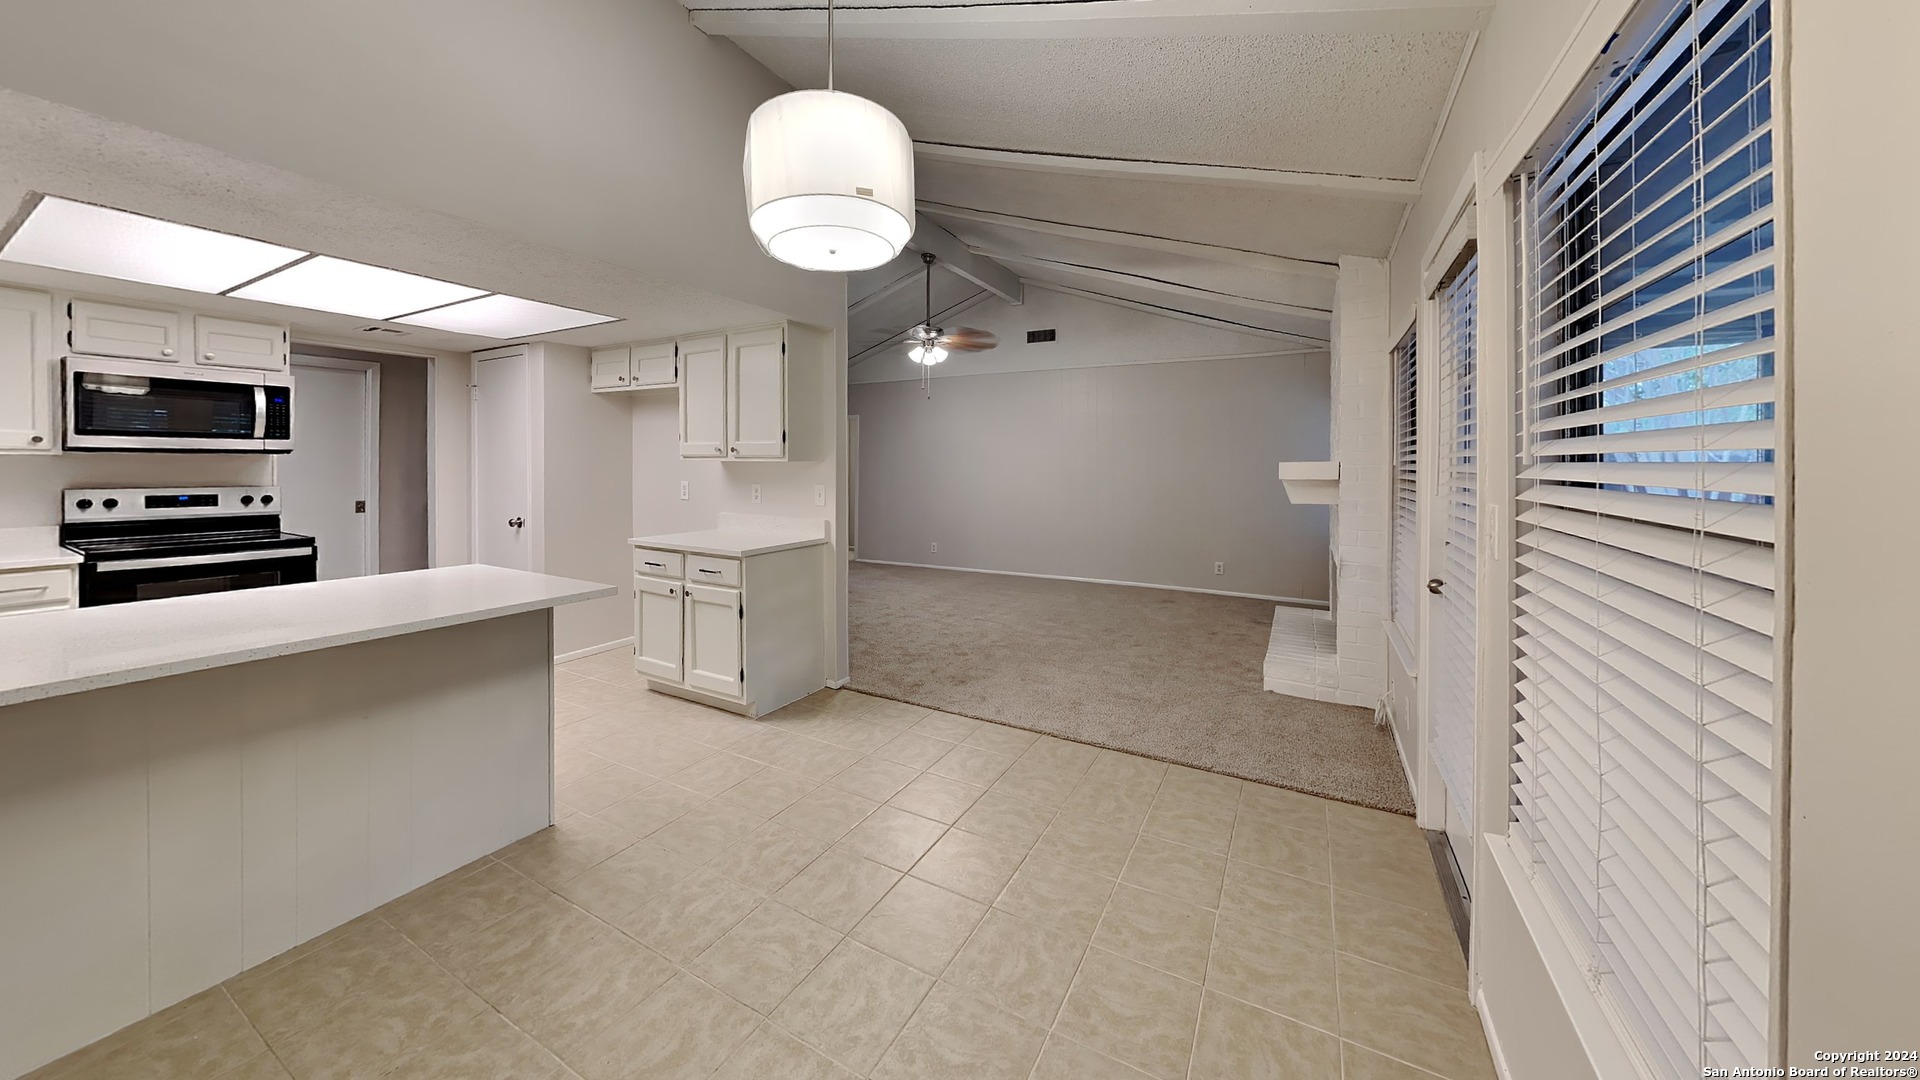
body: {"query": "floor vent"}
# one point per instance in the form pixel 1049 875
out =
pixel 1034 337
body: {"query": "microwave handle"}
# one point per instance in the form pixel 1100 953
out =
pixel 260 412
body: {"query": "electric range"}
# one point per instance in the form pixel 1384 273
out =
pixel 151 543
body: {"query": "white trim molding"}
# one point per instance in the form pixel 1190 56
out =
pixel 593 650
pixel 1291 600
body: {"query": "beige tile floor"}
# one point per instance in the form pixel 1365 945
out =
pixel 855 887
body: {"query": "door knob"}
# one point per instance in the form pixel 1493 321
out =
pixel 1434 585
pixel 516 522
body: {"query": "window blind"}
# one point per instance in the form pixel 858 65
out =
pixel 1453 624
pixel 1645 609
pixel 1404 598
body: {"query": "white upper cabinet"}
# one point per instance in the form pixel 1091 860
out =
pixel 703 397
pixel 26 372
pixel 655 365
pixel 102 329
pixel 611 368
pixel 236 344
pixel 757 395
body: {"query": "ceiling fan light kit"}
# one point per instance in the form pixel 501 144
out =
pixel 829 178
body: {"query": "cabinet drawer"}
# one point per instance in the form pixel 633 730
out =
pixel 708 570
pixel 22 591
pixel 662 564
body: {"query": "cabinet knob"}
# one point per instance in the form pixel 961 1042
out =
pixel 208 356
pixel 735 451
pixel 166 352
pixel 38 439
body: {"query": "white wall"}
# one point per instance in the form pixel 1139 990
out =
pixel 30 486
pixel 586 464
pixel 1105 455
pixel 1851 950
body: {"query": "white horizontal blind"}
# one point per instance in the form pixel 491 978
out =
pixel 1454 623
pixel 1642 771
pixel 1404 597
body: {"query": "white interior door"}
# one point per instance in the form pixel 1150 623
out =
pixel 1452 633
pixel 329 484
pixel 713 639
pixel 503 460
pixel 657 627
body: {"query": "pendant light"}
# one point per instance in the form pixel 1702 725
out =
pixel 829 178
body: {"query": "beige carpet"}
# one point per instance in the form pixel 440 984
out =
pixel 1171 675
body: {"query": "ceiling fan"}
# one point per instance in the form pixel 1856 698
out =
pixel 928 344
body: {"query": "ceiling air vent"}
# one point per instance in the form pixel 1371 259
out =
pixel 381 330
pixel 1034 337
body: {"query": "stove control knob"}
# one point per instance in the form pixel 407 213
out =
pixel 83 504
pixel 246 500
pixel 266 500
pixel 109 504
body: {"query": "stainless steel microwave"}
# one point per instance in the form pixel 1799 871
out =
pixel 141 405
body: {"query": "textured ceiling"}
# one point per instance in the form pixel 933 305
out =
pixel 1011 245
pixel 1294 223
pixel 60 150
pixel 1360 104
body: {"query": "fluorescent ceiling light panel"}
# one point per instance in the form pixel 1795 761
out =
pixel 325 283
pixel 65 235
pixel 504 317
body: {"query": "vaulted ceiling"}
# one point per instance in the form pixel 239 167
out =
pixel 1205 159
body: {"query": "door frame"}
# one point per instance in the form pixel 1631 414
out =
pixel 853 485
pixel 370 417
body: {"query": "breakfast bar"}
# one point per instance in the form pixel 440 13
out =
pixel 191 786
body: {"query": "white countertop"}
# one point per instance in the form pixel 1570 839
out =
pixel 22 549
pixel 735 543
pixel 67 652
pixel 740 535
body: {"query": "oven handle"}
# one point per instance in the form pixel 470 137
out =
pixel 260 411
pixel 202 560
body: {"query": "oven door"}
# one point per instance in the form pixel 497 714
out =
pixel 123 581
pixel 124 405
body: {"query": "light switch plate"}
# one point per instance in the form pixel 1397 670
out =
pixel 819 494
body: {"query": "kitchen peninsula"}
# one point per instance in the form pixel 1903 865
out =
pixel 191 786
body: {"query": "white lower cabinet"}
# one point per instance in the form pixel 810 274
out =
pixel 712 643
pixel 657 628
pixel 745 633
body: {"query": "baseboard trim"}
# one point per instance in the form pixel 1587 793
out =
pixel 592 649
pixel 1499 1056
pixel 1292 600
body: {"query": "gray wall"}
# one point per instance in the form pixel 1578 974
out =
pixel 1144 472
pixel 403 463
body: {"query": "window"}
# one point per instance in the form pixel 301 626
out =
pixel 1642 767
pixel 1404 598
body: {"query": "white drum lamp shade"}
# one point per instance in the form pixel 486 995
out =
pixel 829 181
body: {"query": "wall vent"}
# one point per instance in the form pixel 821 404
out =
pixel 381 330
pixel 1034 337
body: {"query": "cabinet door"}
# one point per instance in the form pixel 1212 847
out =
pixel 703 398
pixel 655 365
pixel 610 369
pixel 656 628
pixel 26 371
pixel 115 330
pixel 236 344
pixel 713 640
pixel 757 395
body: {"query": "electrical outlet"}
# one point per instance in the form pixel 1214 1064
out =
pixel 936 549
pixel 819 494
pixel 1219 568
pixel 683 491
pixel 756 493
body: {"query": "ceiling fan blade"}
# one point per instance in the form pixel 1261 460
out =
pixel 967 339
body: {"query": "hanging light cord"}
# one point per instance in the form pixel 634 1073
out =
pixel 829 44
